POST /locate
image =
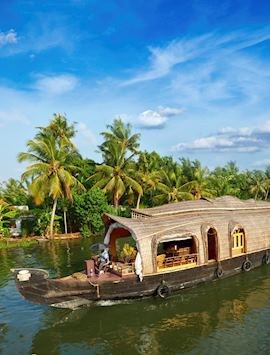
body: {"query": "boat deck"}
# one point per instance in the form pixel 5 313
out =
pixel 97 279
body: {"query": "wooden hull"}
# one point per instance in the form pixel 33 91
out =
pixel 71 293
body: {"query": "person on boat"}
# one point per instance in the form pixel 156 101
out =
pixel 104 256
pixel 102 260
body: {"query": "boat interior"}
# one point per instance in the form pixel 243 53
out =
pixel 178 253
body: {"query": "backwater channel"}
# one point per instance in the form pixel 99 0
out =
pixel 230 316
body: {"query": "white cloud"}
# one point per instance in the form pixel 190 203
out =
pixel 211 46
pixel 242 140
pixel 170 111
pixel 245 131
pixel 9 37
pixel 157 119
pixel 41 34
pixel 265 128
pixel 151 119
pixel 57 84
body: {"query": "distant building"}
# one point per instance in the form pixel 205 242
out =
pixel 16 224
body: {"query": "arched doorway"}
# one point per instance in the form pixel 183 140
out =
pixel 212 245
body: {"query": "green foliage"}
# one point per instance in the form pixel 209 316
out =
pixel 89 208
pixel 6 213
pixel 119 135
pixel 170 186
pixel 114 175
pixel 41 223
pixel 14 193
pixel 85 231
pixel 27 226
pixel 128 253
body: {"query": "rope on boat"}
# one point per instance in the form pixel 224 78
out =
pixel 97 286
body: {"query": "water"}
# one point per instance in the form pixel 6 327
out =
pixel 229 316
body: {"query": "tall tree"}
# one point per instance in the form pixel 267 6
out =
pixel 60 129
pixel 257 184
pixel 119 134
pixel 51 171
pixel 189 168
pixel 118 149
pixel 146 172
pixel 171 185
pixel 201 185
pixel 115 178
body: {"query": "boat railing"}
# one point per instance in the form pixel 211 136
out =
pixel 176 260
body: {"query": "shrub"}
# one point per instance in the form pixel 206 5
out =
pixel 89 208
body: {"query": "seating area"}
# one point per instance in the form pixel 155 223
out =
pixel 115 267
pixel 122 269
pixel 176 258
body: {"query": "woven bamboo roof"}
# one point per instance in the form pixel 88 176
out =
pixel 188 214
pixel 220 203
pixel 143 228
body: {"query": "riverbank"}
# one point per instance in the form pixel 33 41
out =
pixel 6 243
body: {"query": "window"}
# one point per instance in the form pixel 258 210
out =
pixel 238 242
pixel 176 253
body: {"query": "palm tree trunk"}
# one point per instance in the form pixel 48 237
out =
pixel 65 221
pixel 138 201
pixel 266 194
pixel 115 199
pixel 256 195
pixel 52 217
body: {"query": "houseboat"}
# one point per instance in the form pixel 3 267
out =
pixel 170 248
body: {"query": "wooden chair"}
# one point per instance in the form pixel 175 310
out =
pixel 160 260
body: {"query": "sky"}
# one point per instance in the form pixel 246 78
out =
pixel 192 76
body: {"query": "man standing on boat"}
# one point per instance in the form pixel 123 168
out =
pixel 104 258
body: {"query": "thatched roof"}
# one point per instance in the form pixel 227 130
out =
pixel 144 228
pixel 226 203
pixel 187 214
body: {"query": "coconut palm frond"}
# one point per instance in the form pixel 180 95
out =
pixel 110 185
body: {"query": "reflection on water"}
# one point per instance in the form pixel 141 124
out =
pixel 226 316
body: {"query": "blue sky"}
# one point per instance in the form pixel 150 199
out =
pixel 193 77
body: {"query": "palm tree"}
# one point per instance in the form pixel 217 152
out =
pixel 223 185
pixel 200 186
pixel 120 135
pixel 267 182
pixel 189 168
pixel 146 172
pixel 171 186
pixel 115 177
pixel 60 129
pixel 257 184
pixel 51 170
